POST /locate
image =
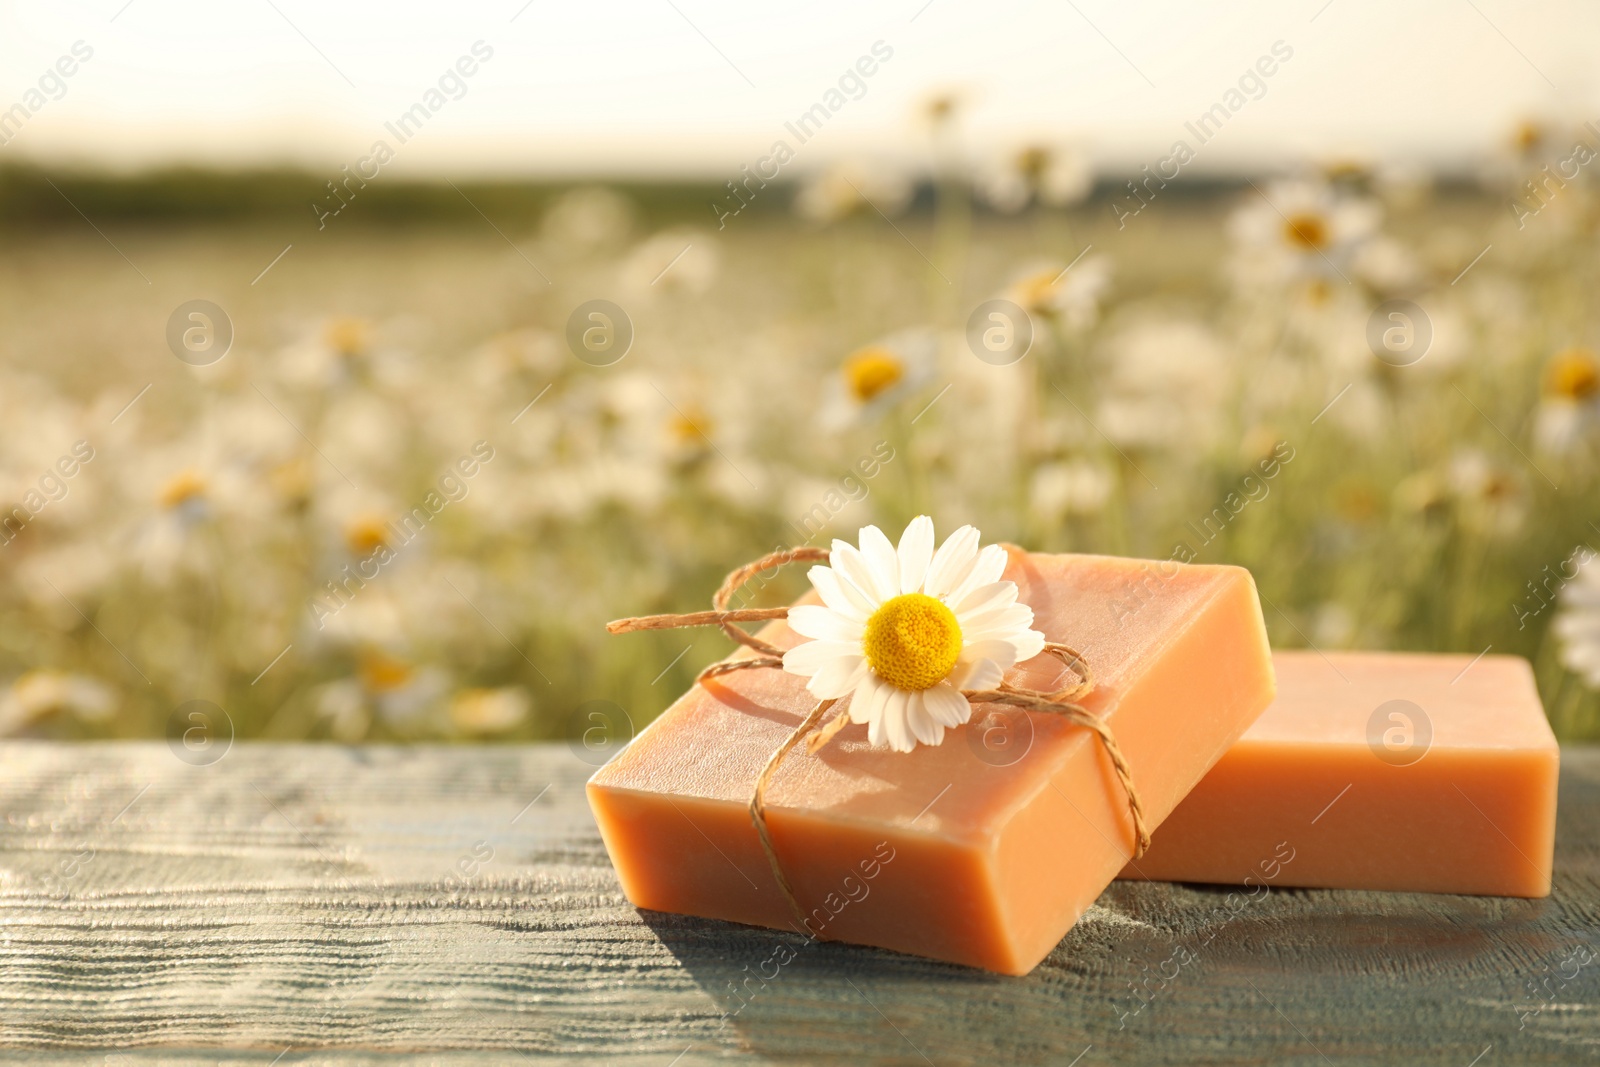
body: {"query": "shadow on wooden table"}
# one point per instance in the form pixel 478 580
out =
pixel 1164 973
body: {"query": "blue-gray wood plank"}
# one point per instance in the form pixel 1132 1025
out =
pixel 454 904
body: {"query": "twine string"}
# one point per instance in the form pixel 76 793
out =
pixel 758 809
pixel 1062 702
pixel 771 655
pixel 736 579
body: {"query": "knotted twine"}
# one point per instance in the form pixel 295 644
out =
pixel 1062 702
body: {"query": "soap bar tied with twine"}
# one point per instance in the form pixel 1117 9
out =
pixel 1062 702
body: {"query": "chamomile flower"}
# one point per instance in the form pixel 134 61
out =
pixel 1528 137
pixel 1061 489
pixel 41 693
pixel 1493 498
pixel 1386 266
pixel 902 632
pixel 336 353
pixel 366 534
pixel 670 264
pixel 1072 293
pixel 347 336
pixel 526 358
pixel 1577 625
pixel 185 494
pixel 167 539
pixel 1301 231
pixel 1051 176
pixel 586 221
pixel 1569 410
pixel 848 189
pixel 875 377
pixel 489 711
pixel 387 687
pixel 941 109
pixel 688 431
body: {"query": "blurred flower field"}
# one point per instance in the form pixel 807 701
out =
pixel 401 508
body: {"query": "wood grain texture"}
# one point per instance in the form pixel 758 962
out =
pixel 453 904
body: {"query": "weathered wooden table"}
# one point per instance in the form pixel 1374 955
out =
pixel 310 904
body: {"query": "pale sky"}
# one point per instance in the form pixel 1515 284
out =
pixel 697 87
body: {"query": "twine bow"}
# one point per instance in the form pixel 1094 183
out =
pixel 1062 702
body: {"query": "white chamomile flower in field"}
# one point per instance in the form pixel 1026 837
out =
pixel 902 632
pixel 1048 174
pixel 1577 625
pixel 878 376
pixel 1569 410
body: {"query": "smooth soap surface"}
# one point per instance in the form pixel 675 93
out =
pixel 983 850
pixel 1397 771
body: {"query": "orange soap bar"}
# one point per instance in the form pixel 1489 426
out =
pixel 982 850
pixel 1376 770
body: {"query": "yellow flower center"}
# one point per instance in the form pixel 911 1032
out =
pixel 366 535
pixel 912 641
pixel 182 488
pixel 690 427
pixel 1318 292
pixel 348 336
pixel 41 692
pixel 1036 291
pixel 1500 487
pixel 1573 375
pixel 1306 230
pixel 1033 162
pixel 1358 503
pixel 291 481
pixel 384 674
pixel 939 109
pixel 1346 170
pixel 872 370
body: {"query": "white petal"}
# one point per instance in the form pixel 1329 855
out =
pixel 985 597
pixel 1002 653
pixel 824 624
pixel 808 657
pixel 920 722
pixel 895 727
pixel 1028 645
pixel 947 706
pixel 882 562
pixel 839 594
pixel 952 562
pixel 916 551
pixel 863 698
pixel 851 566
pixel 980 674
pixel 838 677
pixel 1000 622
pixel 986 569
pixel 877 719
pixel 983 664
